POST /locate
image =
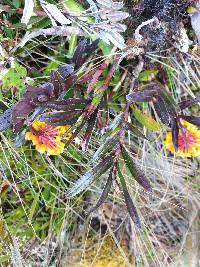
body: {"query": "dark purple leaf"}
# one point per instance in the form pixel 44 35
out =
pixel 66 105
pixel 61 84
pixel 68 78
pixel 64 122
pixel 135 171
pixel 95 77
pixel 175 133
pixel 20 113
pixel 58 82
pixel 59 118
pixel 105 191
pixel 129 202
pixel 162 110
pixel 92 47
pixel 82 51
pixel 192 119
pixel 188 103
pixel 78 57
pixel 141 96
pixel 89 130
pixel 70 81
pixel 6 119
pixel 39 94
pixel 131 208
pixel 34 96
pixel 145 94
pixel 66 70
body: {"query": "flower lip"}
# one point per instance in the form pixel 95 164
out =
pixel 47 138
pixel 184 142
pixel 188 141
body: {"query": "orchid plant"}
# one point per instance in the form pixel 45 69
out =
pixel 54 113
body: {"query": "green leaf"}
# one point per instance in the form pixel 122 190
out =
pixel 53 65
pixel 75 6
pixel 41 23
pixel 4 258
pixel 34 206
pixel 14 78
pixel 74 154
pixel 105 48
pixel 97 99
pixel 147 75
pixel 16 3
pixel 146 121
pixel 72 46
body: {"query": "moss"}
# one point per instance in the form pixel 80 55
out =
pixel 100 253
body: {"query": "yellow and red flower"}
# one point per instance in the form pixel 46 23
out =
pixel 188 145
pixel 47 138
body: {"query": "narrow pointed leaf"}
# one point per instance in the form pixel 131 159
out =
pixel 66 105
pixel 89 130
pixel 134 170
pixel 60 117
pixel 175 133
pixel 105 191
pixel 135 130
pixel 85 180
pixel 58 83
pixel 146 121
pixel 20 112
pixel 188 103
pixel 192 119
pixel 78 57
pixel 128 200
pixel 98 72
pixel 108 145
pixel 141 96
pixel 162 110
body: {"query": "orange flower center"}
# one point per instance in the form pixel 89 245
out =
pixel 46 135
pixel 187 141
